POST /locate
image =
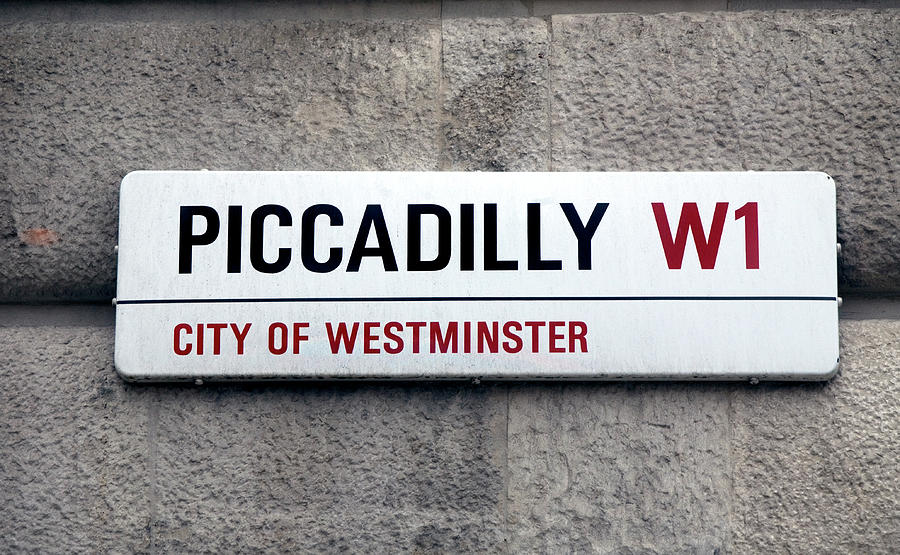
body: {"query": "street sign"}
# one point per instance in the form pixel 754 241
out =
pixel 442 275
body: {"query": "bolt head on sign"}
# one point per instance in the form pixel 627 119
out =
pixel 444 275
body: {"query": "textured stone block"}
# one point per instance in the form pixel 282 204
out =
pixel 495 94
pixel 740 5
pixel 217 10
pixel 484 8
pixel 816 466
pixel 82 105
pixel 315 468
pixel 749 91
pixel 73 443
pixel 615 468
pixel 89 463
pixel 553 7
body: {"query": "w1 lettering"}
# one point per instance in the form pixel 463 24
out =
pixel 707 245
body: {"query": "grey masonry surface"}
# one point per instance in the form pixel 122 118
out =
pixel 89 463
pixel 495 82
pixel 817 465
pixel 711 91
pixel 74 471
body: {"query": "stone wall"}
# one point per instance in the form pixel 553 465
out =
pixel 90 463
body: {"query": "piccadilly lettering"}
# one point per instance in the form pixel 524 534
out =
pixel 374 224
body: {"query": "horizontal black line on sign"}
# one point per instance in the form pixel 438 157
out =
pixel 464 299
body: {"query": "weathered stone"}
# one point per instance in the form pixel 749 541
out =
pixel 82 105
pixel 816 465
pixel 316 468
pixel 741 5
pixel 552 7
pixel 483 8
pixel 74 471
pixel 870 308
pixel 615 468
pixel 89 463
pixel 495 94
pixel 96 11
pixel 747 91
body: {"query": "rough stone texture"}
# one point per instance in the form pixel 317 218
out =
pixel 817 467
pixel 740 5
pixel 749 91
pixel 81 105
pixel 484 8
pixel 870 308
pixel 619 468
pixel 89 463
pixel 553 7
pixel 223 10
pixel 216 10
pixel 73 437
pixel 331 468
pixel 495 94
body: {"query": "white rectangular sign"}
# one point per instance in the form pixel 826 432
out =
pixel 429 275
